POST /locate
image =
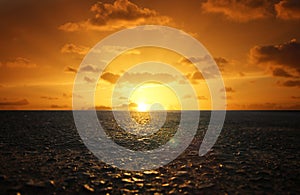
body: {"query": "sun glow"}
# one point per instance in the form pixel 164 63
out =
pixel 142 107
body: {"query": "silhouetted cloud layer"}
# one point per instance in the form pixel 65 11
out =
pixel 112 16
pixel 247 10
pixel 282 58
pixel 22 102
pixel 288 9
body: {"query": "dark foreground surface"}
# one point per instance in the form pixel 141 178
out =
pixel 257 152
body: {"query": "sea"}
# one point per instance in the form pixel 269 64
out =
pixel 257 152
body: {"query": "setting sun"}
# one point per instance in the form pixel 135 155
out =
pixel 142 107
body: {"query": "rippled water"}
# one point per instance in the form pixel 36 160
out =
pixel 41 152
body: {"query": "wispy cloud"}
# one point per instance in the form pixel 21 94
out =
pixel 241 11
pixel 55 106
pixel 70 69
pixel 20 62
pixel 22 102
pixel 74 49
pixel 49 98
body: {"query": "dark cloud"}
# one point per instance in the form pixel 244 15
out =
pixel 70 69
pixel 110 77
pixel 22 102
pixel 89 80
pixel 49 98
pixel 20 62
pixel 58 106
pixel 89 68
pixel 102 108
pixel 74 49
pixel 285 55
pixel 138 77
pixel 295 97
pixel 241 11
pixel 197 76
pixel 221 61
pixel 194 59
pixel 279 72
pixel 288 9
pixel 202 97
pixel 121 13
pixel 291 83
pixel 65 95
pixel 228 90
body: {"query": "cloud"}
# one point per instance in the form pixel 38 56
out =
pixel 74 49
pixel 295 97
pixel 58 106
pixel 262 106
pixel 120 14
pixel 228 90
pixel 65 95
pixel 291 83
pixel 20 62
pixel 89 80
pixel 132 105
pixel 22 102
pixel 70 69
pixel 123 98
pixel 49 98
pixel 241 11
pixel 188 96
pixel 102 108
pixel 284 56
pixel 89 68
pixel 270 106
pixel 140 77
pixel 196 76
pixel 221 62
pixel 279 72
pixel 202 97
pixel 110 77
pixel 288 9
pixel 205 58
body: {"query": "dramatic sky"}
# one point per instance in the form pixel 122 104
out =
pixel 256 44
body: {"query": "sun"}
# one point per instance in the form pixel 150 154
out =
pixel 142 107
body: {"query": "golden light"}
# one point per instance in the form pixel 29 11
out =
pixel 142 107
pixel 151 93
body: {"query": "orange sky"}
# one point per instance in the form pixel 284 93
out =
pixel 254 42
